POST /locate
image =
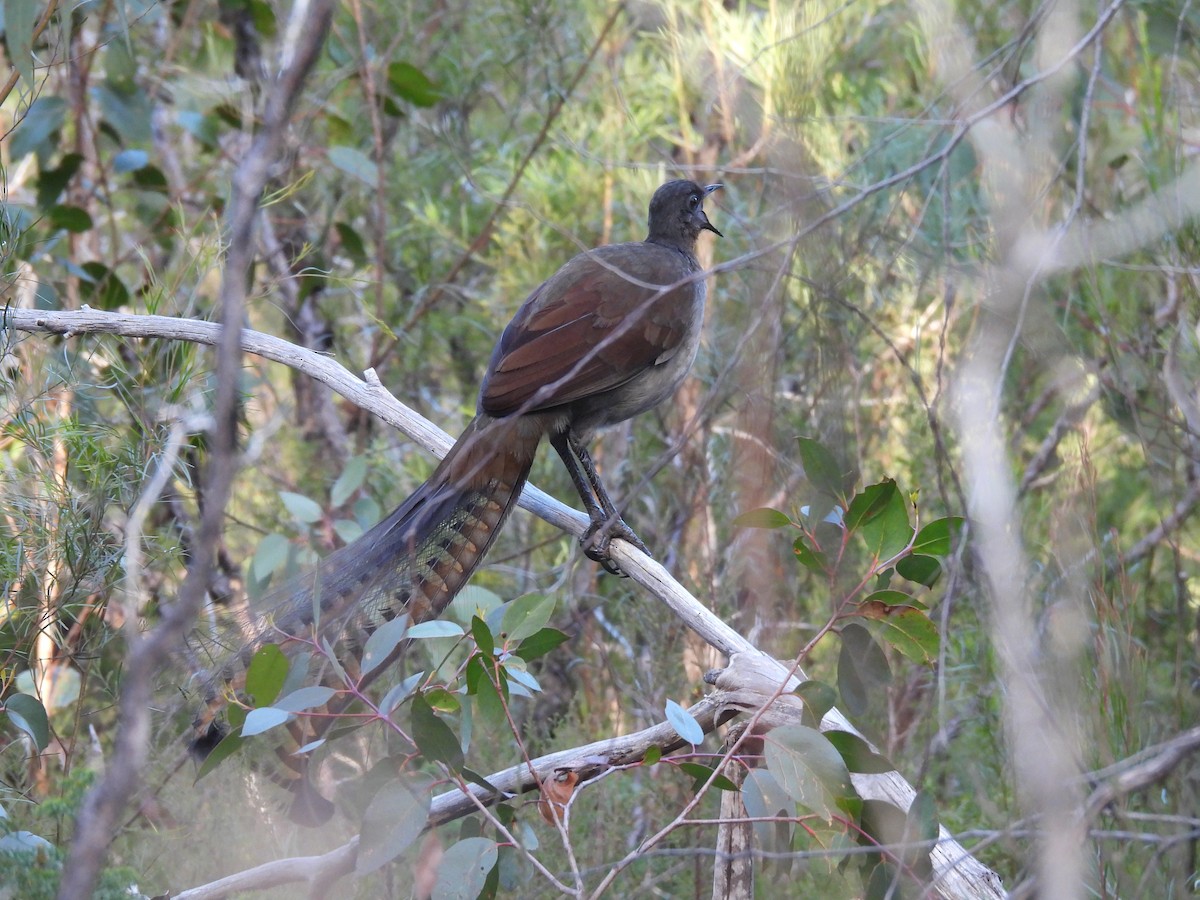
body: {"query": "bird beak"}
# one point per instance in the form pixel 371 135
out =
pixel 707 224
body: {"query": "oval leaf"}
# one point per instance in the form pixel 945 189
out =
pixel 808 767
pixel 819 698
pixel 399 692
pixel 857 753
pixel 763 517
pixel 349 481
pixel 304 509
pixel 810 557
pixel 822 470
pixel 305 698
pixel 912 633
pixel 540 644
pixel 28 714
pixel 862 669
pixel 266 674
pixel 433 737
pixel 356 164
pixel 394 819
pixel 684 723
pixel 263 719
pixel 939 537
pixel 382 644
pixel 464 869
pixel 227 746
pixel 411 84
pixel 271 555
pixel 526 616
pixel 438 628
pixel 922 569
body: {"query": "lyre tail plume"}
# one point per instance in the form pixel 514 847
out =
pixel 414 561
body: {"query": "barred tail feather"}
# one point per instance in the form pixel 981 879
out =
pixel 414 561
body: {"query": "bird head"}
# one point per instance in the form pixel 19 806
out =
pixel 677 213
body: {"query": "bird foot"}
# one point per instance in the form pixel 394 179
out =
pixel 599 536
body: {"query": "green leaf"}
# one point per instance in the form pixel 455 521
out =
pixel 519 676
pixel 356 164
pixel 684 723
pixel 808 767
pixel 399 693
pixel 763 517
pixel 52 182
pixel 269 557
pixel 526 616
pixel 104 289
pixel 819 698
pixel 862 669
pixel 262 719
pixel 305 698
pixel 483 637
pixel 410 83
pixel 438 628
pixel 352 243
pixel 382 643
pixel 765 798
pixel 394 818
pixel 348 530
pixel 126 112
pixel 857 753
pixel 228 746
pixel 701 774
pixel 488 701
pixel 433 737
pixel 27 714
pixel 652 755
pixel 822 470
pixel 540 644
pixel 266 674
pixel 442 700
pixel 939 536
pixel 880 515
pixel 303 509
pixel 351 479
pixel 912 633
pixel 889 598
pixel 70 218
pixel 810 557
pixel 464 868
pixel 44 117
pixel 922 569
pixel 19 19
pixel 921 829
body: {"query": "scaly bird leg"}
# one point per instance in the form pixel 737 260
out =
pixel 606 518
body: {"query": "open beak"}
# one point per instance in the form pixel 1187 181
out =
pixel 708 189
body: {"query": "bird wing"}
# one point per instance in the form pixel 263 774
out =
pixel 590 328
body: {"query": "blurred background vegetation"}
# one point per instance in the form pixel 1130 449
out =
pixel 446 156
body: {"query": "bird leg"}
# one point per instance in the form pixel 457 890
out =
pixel 606 518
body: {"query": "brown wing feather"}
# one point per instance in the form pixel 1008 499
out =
pixel 567 336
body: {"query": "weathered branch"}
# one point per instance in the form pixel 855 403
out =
pixel 958 873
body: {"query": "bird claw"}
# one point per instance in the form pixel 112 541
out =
pixel 598 537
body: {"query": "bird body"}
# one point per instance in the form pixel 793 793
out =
pixel 609 335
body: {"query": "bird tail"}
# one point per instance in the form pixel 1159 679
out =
pixel 414 561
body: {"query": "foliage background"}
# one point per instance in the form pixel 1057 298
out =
pixel 448 156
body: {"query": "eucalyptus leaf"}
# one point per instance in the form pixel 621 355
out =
pixel 395 818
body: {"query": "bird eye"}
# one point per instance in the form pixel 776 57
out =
pixel 693 201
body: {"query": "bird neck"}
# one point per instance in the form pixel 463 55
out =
pixel 682 245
